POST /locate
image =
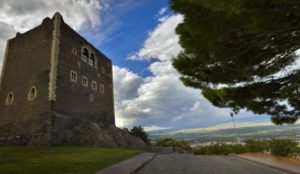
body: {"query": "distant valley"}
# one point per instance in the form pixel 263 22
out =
pixel 223 133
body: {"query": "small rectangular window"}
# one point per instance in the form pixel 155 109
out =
pixel 91 98
pixel 94 85
pixel 101 88
pixel 73 76
pixel 85 81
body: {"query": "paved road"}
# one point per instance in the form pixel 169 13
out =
pixel 192 164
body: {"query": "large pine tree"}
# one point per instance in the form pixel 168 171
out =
pixel 240 52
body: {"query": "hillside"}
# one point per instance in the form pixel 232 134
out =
pixel 219 134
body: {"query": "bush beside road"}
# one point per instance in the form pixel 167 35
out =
pixel 277 147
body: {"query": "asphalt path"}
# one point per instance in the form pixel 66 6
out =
pixel 206 164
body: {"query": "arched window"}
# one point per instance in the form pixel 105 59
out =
pixel 84 54
pixel 10 98
pixel 74 51
pixel 32 94
pixel 92 61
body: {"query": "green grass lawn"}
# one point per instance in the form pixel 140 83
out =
pixel 59 160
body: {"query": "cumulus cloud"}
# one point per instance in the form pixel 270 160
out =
pixel 161 100
pixel 162 11
pixel 126 83
pixel 162 42
pixel 25 15
pixel 16 16
pixel 155 128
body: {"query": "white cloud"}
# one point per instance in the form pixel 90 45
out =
pixel 162 42
pixel 23 16
pixel 17 16
pixel 155 128
pixel 196 106
pixel 161 12
pixel 125 83
pixel 161 100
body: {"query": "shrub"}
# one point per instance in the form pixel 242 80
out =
pixel 138 131
pixel 219 149
pixel 238 148
pixel 283 147
pixel 165 142
pixel 183 145
pixel 255 146
pixel 297 151
pixel 179 146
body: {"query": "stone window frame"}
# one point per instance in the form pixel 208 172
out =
pixel 88 56
pixel 73 76
pixel 32 93
pixel 92 60
pixel 84 54
pixel 85 81
pixel 94 85
pixel 10 98
pixel 102 89
pixel 91 98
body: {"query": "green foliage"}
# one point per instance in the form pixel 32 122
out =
pixel 138 131
pixel 165 142
pixel 59 160
pixel 277 147
pixel 169 142
pixel 296 151
pixel 183 145
pixel 283 147
pixel 240 45
pixel 256 146
pixel 220 149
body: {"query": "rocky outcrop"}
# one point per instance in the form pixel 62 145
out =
pixel 93 134
pixel 89 134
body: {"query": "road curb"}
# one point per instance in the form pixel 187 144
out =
pixel 129 166
pixel 264 164
pixel 144 164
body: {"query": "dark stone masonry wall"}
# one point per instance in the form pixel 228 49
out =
pixel 27 64
pixel 73 108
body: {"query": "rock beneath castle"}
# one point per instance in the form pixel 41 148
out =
pixel 90 134
pixel 93 134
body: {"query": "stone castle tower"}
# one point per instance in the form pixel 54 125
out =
pixel 53 83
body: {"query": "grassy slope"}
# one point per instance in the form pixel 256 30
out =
pixel 58 160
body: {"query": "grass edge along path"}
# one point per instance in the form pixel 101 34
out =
pixel 59 159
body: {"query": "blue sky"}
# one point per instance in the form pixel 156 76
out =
pixel 133 20
pixel 140 39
